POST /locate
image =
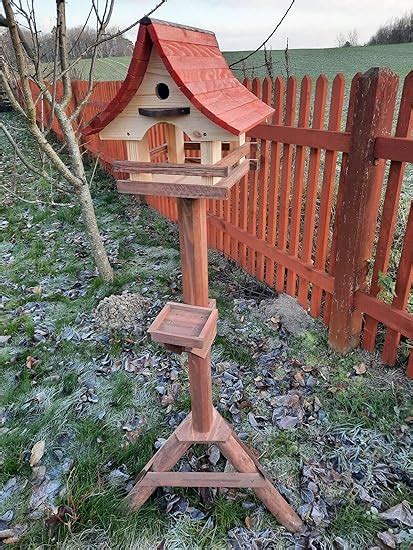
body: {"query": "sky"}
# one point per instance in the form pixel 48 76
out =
pixel 244 24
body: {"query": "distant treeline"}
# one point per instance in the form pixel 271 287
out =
pixel 395 32
pixel 80 42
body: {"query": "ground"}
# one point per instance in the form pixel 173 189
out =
pixel 85 402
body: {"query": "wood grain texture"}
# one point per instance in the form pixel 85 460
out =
pixel 162 461
pixel 373 115
pixel 236 453
pixel 171 168
pixel 402 292
pixel 305 137
pixel 327 189
pixel 266 96
pixel 340 192
pixel 202 479
pixel 287 153
pixel 312 188
pixel 280 257
pixel 274 178
pixel 390 208
pixel 297 191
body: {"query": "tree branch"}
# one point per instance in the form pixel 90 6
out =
pixel 268 37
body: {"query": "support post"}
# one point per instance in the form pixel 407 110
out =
pixel 373 116
pixel 139 150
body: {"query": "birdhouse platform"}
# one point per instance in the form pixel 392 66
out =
pixel 186 180
pixel 184 325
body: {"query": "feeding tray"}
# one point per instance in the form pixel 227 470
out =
pixel 186 180
pixel 184 325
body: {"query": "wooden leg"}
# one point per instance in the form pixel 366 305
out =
pixel 235 452
pixel 200 385
pixel 194 251
pixel 162 461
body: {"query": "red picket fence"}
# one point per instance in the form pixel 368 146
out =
pixel 317 219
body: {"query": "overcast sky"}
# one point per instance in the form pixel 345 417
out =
pixel 243 24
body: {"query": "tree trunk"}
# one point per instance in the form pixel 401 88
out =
pixel 92 231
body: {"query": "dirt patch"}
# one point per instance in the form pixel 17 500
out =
pixel 291 315
pixel 123 311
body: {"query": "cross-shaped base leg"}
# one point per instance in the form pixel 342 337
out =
pixel 249 472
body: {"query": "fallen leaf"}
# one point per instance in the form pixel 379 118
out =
pixel 288 422
pixel 401 512
pixel 37 452
pixel 360 369
pixel 387 538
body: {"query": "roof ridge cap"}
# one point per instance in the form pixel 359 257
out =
pixel 149 20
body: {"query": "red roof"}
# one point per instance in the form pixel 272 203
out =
pixel 196 64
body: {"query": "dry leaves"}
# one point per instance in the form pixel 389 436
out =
pixel 37 452
pixel 360 369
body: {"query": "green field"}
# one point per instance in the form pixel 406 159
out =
pixel 330 61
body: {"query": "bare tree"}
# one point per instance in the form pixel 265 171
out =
pixel 351 38
pixel 17 76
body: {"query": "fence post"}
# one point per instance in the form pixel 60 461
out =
pixel 357 217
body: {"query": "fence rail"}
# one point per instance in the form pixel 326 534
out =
pixel 318 218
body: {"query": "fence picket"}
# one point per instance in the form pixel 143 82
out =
pixel 253 193
pixel 312 186
pixel 327 190
pixel 297 193
pixel 402 291
pixel 287 152
pixel 274 179
pixel 263 182
pixel 339 200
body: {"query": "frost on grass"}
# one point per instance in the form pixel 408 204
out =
pixel 121 312
pixel 333 432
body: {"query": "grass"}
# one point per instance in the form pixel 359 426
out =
pixel 329 61
pixel 44 248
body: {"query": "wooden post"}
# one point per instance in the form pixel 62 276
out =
pixel 139 150
pixel 210 154
pixel 373 115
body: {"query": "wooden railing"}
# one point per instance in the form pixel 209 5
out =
pixel 318 218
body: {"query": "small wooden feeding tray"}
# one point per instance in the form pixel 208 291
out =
pixel 185 325
pixel 186 180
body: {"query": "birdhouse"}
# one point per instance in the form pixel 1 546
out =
pixel 179 76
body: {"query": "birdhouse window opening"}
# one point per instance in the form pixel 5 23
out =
pixel 162 90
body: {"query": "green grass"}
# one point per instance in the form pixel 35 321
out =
pixel 93 436
pixel 355 525
pixel 329 61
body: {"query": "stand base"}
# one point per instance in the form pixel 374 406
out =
pixel 249 473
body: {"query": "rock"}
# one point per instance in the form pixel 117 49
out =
pixel 118 478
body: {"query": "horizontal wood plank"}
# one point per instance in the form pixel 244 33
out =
pixel 311 274
pixel 310 137
pixel 201 479
pixel 396 319
pixel 235 155
pixel 136 167
pixel 394 148
pixel 168 185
